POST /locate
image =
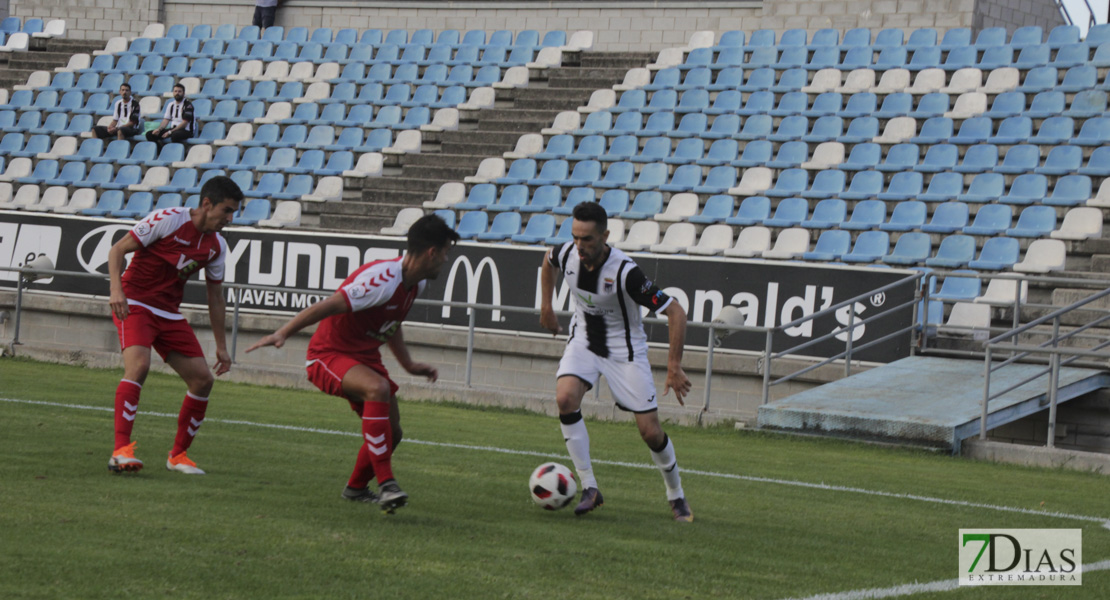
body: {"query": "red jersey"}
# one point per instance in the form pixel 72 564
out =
pixel 173 250
pixel 377 302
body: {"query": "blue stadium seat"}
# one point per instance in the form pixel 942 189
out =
pixel 903 186
pixel 732 79
pixel 544 199
pixel 1020 159
pixel 911 248
pixel 1013 130
pixel 984 187
pixel 577 196
pixel 1070 190
pixel 729 101
pixel 943 187
pixel 797 103
pixel 795 127
pixel 756 153
pixel 471 224
pixel 622 148
pixel 1034 222
pixel 619 174
pixel 1062 160
pixel 644 206
pixel 870 246
pixel 1078 78
pixel 687 151
pixel 1054 130
pixel 979 158
pixel 138 206
pixel 931 105
pixel 831 245
pixel 955 251
pixel 718 181
pixel 791 182
pixel 538 228
pixel 1093 132
pixel 860 130
pixel 998 253
pixel 864 185
pixel 900 157
pixel 790 212
pixel 728 126
pixel 109 201
pixel 512 198
pixel 826 184
pixel 906 216
pixel 974 130
pixel 614 201
pixel 181 180
pixel 867 214
pixel 654 176
pixel 990 219
pixel 70 174
pixel 552 172
pixel 753 210
pixel 791 154
pixel 959 286
pixel 168 201
pixel 717 208
pixel 827 213
pixel 939 158
pixel 563 236
pixel 721 152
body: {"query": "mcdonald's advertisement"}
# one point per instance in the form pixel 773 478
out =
pixel 313 264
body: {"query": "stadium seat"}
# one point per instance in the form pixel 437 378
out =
pixel 539 228
pixel 753 210
pixel 790 243
pixel 1027 188
pixel 948 217
pixel 867 214
pixel 1043 256
pixel 831 245
pixel 646 205
pixel 864 185
pixel 640 236
pixel 1070 190
pixel 906 216
pixel 911 248
pixel 1004 292
pixel 997 253
pixel 680 207
pixel 789 212
pixel 1034 222
pixel 1079 224
pixel 403 221
pixel 677 238
pixel 827 213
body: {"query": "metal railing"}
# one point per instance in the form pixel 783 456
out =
pixel 1057 356
pixel 716 330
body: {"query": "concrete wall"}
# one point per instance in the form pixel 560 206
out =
pixel 623 25
pixel 1012 14
pixel 509 370
pixel 1082 424
pixel 93 19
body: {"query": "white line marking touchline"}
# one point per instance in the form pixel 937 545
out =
pixel 1103 521
pixel 909 589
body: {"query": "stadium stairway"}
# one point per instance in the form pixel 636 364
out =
pixel 48 55
pixel 452 155
pixel 923 400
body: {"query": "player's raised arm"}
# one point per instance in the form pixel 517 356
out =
pixel 548 320
pixel 333 305
pixel 117 300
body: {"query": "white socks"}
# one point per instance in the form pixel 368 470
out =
pixel 668 466
pixel 578 445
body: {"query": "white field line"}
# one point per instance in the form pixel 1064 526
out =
pixel 1103 521
pixel 909 589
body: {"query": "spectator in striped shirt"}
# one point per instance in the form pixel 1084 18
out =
pixel 125 117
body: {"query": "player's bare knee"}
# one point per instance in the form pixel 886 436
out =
pixel 201 384
pixel 567 403
pixel 652 435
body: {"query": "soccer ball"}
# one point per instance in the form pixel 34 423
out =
pixel 552 486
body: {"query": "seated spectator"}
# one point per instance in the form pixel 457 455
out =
pixel 125 117
pixel 179 123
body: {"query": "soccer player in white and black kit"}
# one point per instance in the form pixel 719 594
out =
pixel 607 338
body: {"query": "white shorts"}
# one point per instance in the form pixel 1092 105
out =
pixel 631 383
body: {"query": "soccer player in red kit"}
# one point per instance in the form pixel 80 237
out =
pixel 169 246
pixel 344 358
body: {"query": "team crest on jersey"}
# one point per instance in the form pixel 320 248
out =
pixel 356 291
pixel 142 229
pixel 646 287
pixel 608 284
pixel 211 253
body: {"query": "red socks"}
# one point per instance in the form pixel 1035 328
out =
pixel 127 404
pixel 378 437
pixel 188 422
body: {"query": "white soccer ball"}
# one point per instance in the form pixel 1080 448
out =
pixel 552 486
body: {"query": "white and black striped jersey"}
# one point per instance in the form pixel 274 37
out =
pixel 606 302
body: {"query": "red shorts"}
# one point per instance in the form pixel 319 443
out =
pixel 326 372
pixel 144 328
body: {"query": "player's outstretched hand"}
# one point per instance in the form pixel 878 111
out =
pixel 274 339
pixel 223 362
pixel 679 382
pixel 550 322
pixel 424 369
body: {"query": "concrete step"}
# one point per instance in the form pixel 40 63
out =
pixel 556 106
pixel 516 114
pixel 408 184
pixel 516 125
pixel 561 77
pixel 73 46
pixel 478 150
pixel 604 59
pixel 362 208
pixel 352 223
pixel 569 94
pixel 11 77
pixel 435 159
pixel 445 172
pixel 503 138
pixel 397 197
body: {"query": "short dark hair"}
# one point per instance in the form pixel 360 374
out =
pixel 219 189
pixel 430 231
pixel 179 85
pixel 592 211
pixel 125 85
